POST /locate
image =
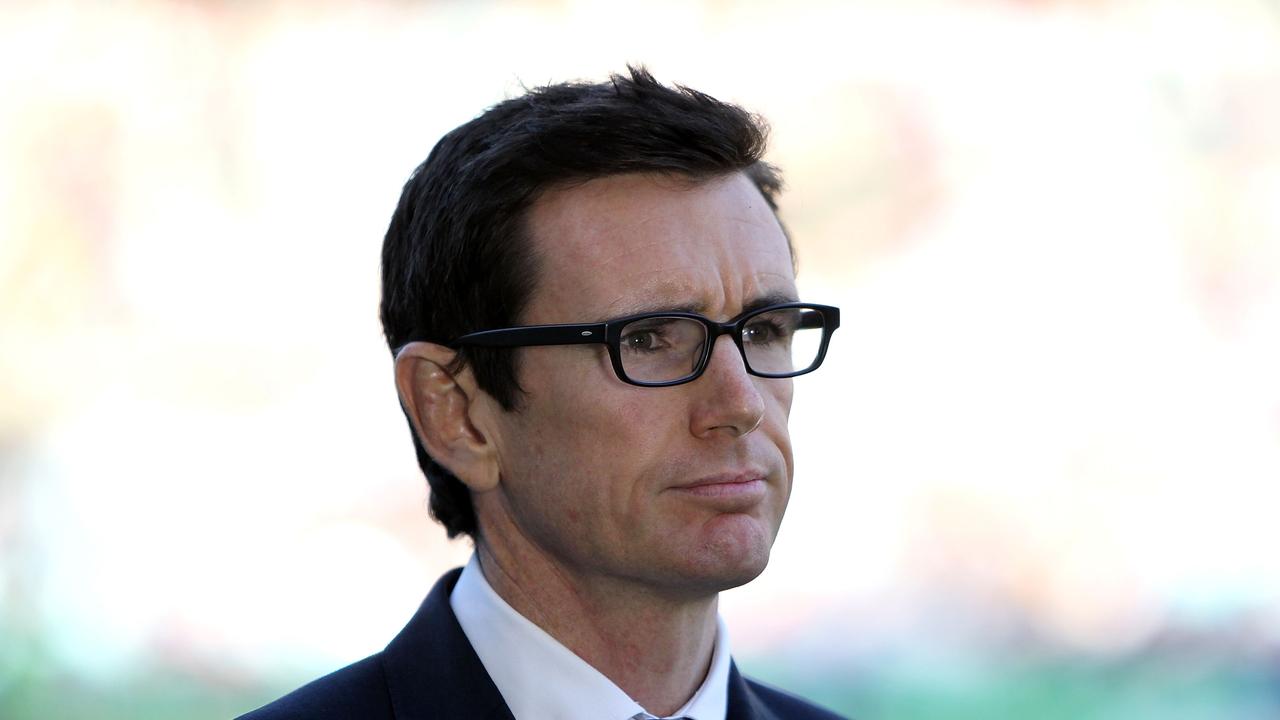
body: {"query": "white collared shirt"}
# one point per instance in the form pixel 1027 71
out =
pixel 540 679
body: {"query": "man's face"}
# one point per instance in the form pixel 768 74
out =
pixel 682 487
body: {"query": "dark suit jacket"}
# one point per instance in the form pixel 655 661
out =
pixel 430 672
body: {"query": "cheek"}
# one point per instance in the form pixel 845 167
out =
pixel 784 391
pixel 625 440
pixel 584 426
pixel 619 431
pixel 781 394
pixel 586 469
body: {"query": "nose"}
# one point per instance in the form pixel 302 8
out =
pixel 729 401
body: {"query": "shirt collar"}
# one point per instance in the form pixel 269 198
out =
pixel 520 657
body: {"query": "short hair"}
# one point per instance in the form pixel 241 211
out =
pixel 457 257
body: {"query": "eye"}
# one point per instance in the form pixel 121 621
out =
pixel 646 336
pixel 773 327
pixel 661 335
pixel 761 331
pixel 641 340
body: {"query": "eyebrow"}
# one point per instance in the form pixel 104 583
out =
pixel 700 308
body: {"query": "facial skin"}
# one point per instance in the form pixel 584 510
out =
pixel 596 476
pixel 612 515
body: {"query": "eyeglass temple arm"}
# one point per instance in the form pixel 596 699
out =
pixel 535 335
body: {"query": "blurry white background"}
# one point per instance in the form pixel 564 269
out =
pixel 1049 426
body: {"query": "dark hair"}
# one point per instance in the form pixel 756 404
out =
pixel 457 256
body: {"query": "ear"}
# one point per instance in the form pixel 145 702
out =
pixel 441 407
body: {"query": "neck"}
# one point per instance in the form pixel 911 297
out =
pixel 655 647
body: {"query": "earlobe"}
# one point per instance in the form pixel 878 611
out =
pixel 441 407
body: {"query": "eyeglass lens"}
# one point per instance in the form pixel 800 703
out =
pixel 665 349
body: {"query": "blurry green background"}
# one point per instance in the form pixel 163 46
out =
pixel 1038 477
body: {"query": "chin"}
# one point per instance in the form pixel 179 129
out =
pixel 734 555
pixel 710 576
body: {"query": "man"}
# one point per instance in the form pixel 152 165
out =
pixel 559 279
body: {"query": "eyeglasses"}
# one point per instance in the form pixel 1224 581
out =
pixel 670 348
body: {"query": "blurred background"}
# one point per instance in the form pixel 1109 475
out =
pixel 1037 478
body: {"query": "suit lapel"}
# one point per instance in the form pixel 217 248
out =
pixel 744 704
pixel 433 672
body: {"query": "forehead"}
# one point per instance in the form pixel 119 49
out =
pixel 633 243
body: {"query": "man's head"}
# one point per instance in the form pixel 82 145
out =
pixel 580 203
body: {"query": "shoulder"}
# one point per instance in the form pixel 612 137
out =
pixel 785 705
pixel 357 690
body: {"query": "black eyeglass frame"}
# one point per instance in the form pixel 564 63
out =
pixel 609 333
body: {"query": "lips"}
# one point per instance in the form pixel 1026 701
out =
pixel 737 488
pixel 740 478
